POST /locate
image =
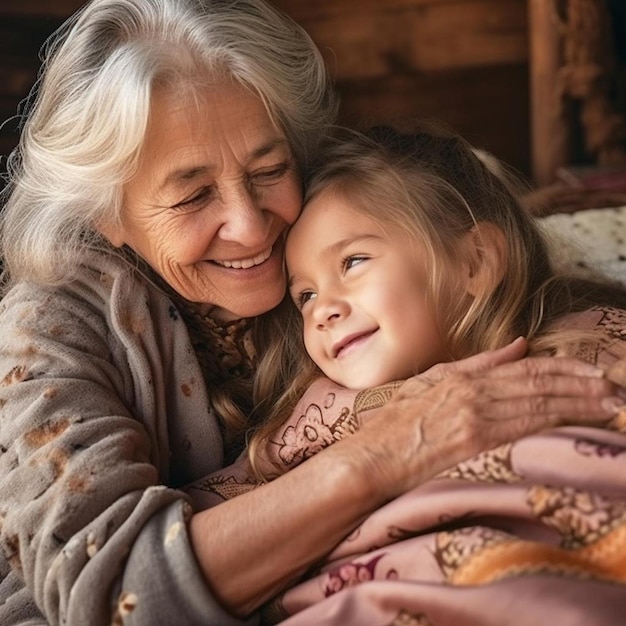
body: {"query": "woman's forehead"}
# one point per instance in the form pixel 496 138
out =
pixel 188 136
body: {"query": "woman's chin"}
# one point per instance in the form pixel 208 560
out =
pixel 247 307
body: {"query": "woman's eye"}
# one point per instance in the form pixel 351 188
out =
pixel 196 201
pixel 269 175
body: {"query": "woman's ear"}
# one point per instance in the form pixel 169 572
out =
pixel 485 258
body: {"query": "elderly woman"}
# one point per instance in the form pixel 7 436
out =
pixel 158 170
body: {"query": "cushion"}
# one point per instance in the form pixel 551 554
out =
pixel 589 242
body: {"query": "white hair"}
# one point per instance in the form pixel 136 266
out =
pixel 86 119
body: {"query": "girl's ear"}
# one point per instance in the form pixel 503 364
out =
pixel 485 258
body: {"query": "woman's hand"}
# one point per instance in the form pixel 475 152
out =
pixel 476 404
pixel 474 364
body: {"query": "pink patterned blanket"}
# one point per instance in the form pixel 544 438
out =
pixel 530 533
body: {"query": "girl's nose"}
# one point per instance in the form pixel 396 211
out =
pixel 329 311
pixel 244 221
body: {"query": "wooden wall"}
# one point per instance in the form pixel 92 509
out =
pixel 464 62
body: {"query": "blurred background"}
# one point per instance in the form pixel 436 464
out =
pixel 538 83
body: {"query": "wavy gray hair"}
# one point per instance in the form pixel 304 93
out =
pixel 86 119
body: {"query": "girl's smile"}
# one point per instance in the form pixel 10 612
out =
pixel 350 343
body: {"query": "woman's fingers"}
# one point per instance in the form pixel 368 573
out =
pixel 540 412
pixel 539 367
pixel 480 411
pixel 506 421
pixel 469 413
pixel 557 390
pixel 425 430
pixel 517 383
pixel 539 386
pixel 548 388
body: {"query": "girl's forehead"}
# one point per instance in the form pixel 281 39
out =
pixel 331 206
pixel 330 222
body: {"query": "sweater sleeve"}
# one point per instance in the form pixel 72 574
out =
pixel 89 529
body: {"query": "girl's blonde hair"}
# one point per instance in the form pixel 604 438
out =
pixel 86 119
pixel 434 186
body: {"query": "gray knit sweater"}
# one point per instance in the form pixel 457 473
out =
pixel 103 413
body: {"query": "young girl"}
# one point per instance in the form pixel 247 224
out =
pixel 410 252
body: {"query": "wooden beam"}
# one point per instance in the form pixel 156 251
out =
pixel 378 38
pixel 550 137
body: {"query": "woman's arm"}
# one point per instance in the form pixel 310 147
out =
pixel 325 414
pixel 252 546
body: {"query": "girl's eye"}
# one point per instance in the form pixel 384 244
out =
pixel 354 259
pixel 196 201
pixel 303 297
pixel 269 175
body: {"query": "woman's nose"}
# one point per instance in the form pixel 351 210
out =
pixel 244 222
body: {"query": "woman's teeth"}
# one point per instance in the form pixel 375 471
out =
pixel 246 263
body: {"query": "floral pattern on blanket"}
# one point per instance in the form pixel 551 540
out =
pixel 546 512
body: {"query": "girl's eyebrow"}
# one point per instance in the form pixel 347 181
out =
pixel 341 244
pixel 290 282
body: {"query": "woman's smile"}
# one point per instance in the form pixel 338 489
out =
pixel 247 263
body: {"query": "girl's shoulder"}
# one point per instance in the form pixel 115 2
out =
pixel 597 335
pixel 608 319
